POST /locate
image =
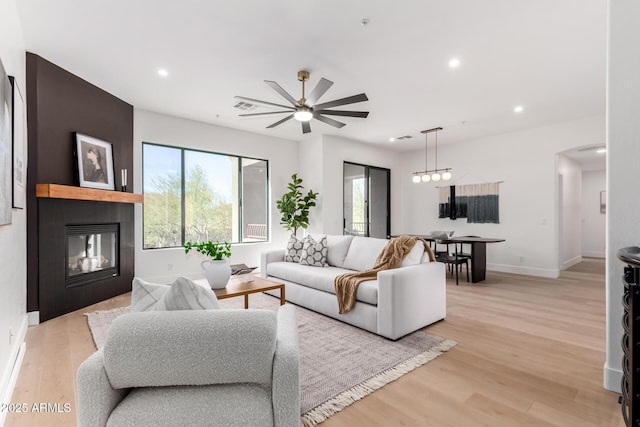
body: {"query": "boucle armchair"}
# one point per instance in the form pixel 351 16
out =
pixel 213 368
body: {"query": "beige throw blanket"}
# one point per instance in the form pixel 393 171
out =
pixel 346 285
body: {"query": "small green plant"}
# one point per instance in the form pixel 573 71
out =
pixel 214 250
pixel 294 206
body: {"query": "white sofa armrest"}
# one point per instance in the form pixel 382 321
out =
pixel 286 382
pixel 410 298
pixel 267 257
pixel 96 397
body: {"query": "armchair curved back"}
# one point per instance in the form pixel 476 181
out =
pixel 173 348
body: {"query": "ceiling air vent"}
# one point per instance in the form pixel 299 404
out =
pixel 403 137
pixel 245 106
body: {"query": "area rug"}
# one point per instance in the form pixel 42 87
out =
pixel 339 364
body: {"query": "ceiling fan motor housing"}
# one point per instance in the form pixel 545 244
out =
pixel 303 75
pixel 307 108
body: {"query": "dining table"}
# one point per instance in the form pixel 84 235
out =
pixel 478 254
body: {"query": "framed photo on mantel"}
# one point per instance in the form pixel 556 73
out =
pixel 95 162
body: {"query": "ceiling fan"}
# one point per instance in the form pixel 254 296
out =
pixel 306 108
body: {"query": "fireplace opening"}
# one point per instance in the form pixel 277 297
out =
pixel 92 253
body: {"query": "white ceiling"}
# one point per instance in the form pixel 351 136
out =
pixel 588 157
pixel 546 55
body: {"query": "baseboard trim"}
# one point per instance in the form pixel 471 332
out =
pixel 12 369
pixel 594 254
pixel 570 263
pixel 612 379
pixel 527 271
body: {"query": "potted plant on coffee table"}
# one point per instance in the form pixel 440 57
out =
pixel 215 269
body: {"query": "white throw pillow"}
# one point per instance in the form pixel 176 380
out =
pixel 314 253
pixel 337 249
pixel 145 295
pixel 183 294
pixel 294 249
pixel 414 256
pixel 363 253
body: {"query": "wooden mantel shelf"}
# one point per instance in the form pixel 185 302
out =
pixel 57 191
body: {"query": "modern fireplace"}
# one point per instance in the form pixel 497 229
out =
pixel 85 253
pixel 92 253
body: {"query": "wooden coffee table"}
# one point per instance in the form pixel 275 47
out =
pixel 236 288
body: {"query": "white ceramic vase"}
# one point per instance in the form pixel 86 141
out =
pixel 217 272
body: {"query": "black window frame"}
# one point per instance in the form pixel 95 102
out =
pixel 239 195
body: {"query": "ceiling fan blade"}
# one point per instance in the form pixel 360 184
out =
pixel 275 86
pixel 317 92
pixel 327 120
pixel 279 122
pixel 361 114
pixel 306 127
pixel 263 114
pixel 344 101
pixel 257 101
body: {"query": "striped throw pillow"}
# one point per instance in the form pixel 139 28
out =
pixel 183 294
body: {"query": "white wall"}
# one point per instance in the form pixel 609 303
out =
pixel 329 153
pixel 164 265
pixel 623 157
pixel 526 162
pixel 593 221
pixel 309 168
pixel 13 237
pixel 570 221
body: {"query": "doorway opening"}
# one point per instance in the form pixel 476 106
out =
pixel 366 200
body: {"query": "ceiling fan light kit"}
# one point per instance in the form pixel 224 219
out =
pixel 436 174
pixel 303 114
pixel 306 108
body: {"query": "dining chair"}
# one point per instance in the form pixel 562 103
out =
pixel 454 262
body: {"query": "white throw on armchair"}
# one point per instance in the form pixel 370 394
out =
pixel 213 368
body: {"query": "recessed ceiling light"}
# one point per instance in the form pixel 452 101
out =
pixel 601 150
pixel 518 109
pixel 391 139
pixel 454 63
pixel 162 72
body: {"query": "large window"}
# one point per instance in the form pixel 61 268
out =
pixel 193 195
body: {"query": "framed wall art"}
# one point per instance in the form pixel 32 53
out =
pixel 19 170
pixel 95 162
pixel 5 147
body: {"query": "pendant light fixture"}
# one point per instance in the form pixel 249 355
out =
pixel 436 174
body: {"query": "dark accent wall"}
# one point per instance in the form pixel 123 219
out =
pixel 55 298
pixel 60 103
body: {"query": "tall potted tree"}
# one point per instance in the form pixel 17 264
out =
pixel 294 205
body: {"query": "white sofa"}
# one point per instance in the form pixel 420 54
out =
pixel 399 302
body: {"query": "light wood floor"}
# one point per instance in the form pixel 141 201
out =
pixel 530 353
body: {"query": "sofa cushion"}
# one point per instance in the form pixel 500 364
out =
pixel 314 253
pixel 414 257
pixel 338 246
pixel 363 253
pixel 294 249
pixel 195 406
pixel 183 294
pixel 321 279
